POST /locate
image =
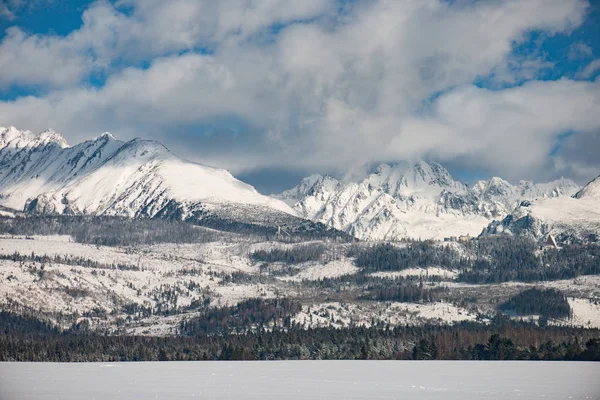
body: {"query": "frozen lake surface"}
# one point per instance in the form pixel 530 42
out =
pixel 301 380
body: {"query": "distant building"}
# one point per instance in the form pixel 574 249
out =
pixel 464 238
pixel 550 243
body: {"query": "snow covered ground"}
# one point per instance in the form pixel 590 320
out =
pixel 586 312
pixel 370 313
pixel 448 380
pixel 128 287
pixel 315 271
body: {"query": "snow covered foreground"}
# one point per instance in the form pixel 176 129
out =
pixel 446 380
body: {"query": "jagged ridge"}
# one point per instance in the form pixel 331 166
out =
pixel 419 199
pixel 568 219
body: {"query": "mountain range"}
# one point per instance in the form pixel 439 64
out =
pixel 574 219
pixel 414 199
pixel 42 173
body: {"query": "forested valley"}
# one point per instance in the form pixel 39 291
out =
pixel 94 288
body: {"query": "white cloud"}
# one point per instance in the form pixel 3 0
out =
pixel 38 60
pixel 579 50
pixel 385 81
pixel 590 69
pixel 108 35
pixel 510 131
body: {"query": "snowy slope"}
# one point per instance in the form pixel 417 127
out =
pixel 568 219
pixel 419 199
pixel 42 173
pixel 590 191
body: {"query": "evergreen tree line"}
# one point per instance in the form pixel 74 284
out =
pixel 367 281
pixel 110 231
pixel 503 348
pixel 404 293
pixel 548 303
pixel 492 259
pixel 390 257
pixel 27 339
pixel 72 260
pixel 295 229
pixel 168 228
pixel 290 255
pixel 246 316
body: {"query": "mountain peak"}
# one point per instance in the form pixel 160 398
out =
pixel 412 177
pixel 8 129
pixel 49 136
pixel 15 138
pixel 497 181
pixel 11 133
pixel 105 136
pixel 494 187
pixel 147 147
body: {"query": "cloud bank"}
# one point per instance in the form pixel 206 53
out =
pixel 317 85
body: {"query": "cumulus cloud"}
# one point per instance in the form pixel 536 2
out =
pixel 39 60
pixel 110 35
pixel 253 84
pixel 511 131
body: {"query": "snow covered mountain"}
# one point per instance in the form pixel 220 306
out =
pixel 104 176
pixel 41 173
pixel 568 219
pixel 502 193
pixel 419 199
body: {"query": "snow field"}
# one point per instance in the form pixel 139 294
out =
pixel 369 313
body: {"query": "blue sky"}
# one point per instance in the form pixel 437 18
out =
pixel 277 90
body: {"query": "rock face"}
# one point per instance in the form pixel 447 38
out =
pixel 105 176
pixel 568 219
pixel 418 199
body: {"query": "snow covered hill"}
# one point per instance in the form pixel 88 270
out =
pixel 104 176
pixel 568 219
pixel 419 199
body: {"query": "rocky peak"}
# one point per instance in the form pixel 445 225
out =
pixel 49 136
pixel 12 137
